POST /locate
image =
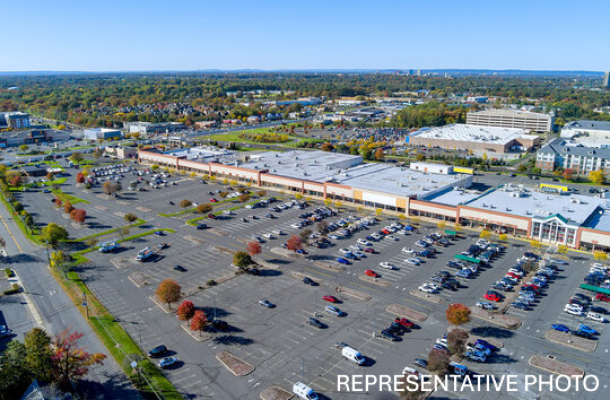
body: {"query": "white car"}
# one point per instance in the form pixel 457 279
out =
pixel 516 272
pixel 482 241
pixel 355 247
pixel 359 254
pixel 386 265
pixel 409 371
pixel 427 288
pixel 296 226
pixel 268 235
pixel 442 342
pixel 344 251
pixel 412 261
pixel 363 242
pixel 376 236
pixel 390 228
pixel 408 250
pixel 485 305
pixel 573 309
pixel 391 238
pixel 396 225
pixel 334 237
pixel 596 317
pixel 402 232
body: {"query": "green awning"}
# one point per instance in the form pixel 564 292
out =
pixel 596 289
pixel 452 233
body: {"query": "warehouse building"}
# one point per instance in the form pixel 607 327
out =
pixel 479 139
pixel 505 118
pixel 102 134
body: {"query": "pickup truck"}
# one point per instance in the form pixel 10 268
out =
pixel 108 247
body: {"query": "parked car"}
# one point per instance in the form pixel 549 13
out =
pixel 602 297
pixel 560 328
pixel 485 305
pixel 334 311
pixel 341 260
pixel 386 334
pixel 386 265
pixel 157 351
pixel 331 299
pixel 316 323
pixel 588 329
pixel 266 303
pixel 167 362
pixel 371 273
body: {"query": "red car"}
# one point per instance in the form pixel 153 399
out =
pixel 213 200
pixel 405 322
pixel 602 297
pixel 369 250
pixel 513 275
pixel 385 231
pixel 371 273
pixel 331 299
pixel 211 216
pixel 492 297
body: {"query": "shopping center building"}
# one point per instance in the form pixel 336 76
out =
pixel 422 189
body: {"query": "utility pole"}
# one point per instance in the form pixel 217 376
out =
pixel 314 303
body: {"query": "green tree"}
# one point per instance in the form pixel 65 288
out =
pixel 130 218
pixel 14 376
pixel 38 354
pixel 76 157
pixel 97 154
pixel 242 260
pixel 53 234
pixel 23 148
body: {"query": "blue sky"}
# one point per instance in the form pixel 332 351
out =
pixel 112 35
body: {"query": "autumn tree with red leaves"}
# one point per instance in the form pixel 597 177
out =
pixel 80 178
pixel 457 314
pixel 78 215
pixel 186 310
pixel 253 248
pixel 70 362
pixel 294 243
pixel 68 208
pixel 199 321
pixel 169 291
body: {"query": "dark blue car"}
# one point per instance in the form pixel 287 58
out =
pixel 561 328
pixel 587 329
pixel 485 344
pixel 343 261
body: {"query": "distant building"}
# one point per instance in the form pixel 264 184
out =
pixel 512 119
pixel 205 124
pixel 102 134
pixel 593 129
pixel 606 79
pixel 476 138
pixel 14 120
pixel 145 128
pixel 253 119
pixel 121 152
pixel 571 154
pixel 477 99
pixel 14 139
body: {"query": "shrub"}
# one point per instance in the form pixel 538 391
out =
pixel 211 282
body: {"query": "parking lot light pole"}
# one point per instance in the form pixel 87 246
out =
pixel 314 303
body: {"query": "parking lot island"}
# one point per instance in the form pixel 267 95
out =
pixel 354 293
pixel 406 312
pixel 550 364
pixel 276 393
pixel 568 340
pixel 502 320
pixel 234 364
pixel 433 298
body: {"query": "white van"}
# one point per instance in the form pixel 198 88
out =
pixel 304 392
pixel 353 355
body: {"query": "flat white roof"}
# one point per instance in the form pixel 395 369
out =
pixel 510 112
pixel 472 133
pixel 575 208
pixel 454 197
pixel 601 221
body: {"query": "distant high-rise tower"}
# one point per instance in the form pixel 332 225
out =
pixel 606 79
pixel 419 72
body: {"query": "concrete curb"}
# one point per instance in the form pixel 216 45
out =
pixel 328 266
pixel 432 298
pixel 375 281
pixel 276 393
pixel 200 338
pixel 353 293
pixel 166 310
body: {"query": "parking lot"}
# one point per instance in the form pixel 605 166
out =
pixel 278 341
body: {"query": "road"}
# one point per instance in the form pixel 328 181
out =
pixel 50 308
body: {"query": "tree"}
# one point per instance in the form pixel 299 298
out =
pixel 70 362
pixel 53 234
pixel 536 245
pixel 456 341
pixel 294 243
pixel 457 314
pixel 253 248
pixel 123 232
pixel 204 208
pixel 91 242
pixel 199 321
pixel 97 154
pixel 562 249
pixel 108 188
pixel 57 258
pixel 441 224
pixel 502 237
pixel 568 174
pixel 261 193
pixel 50 176
pixel 186 203
pixel 169 291
pixel 23 148
pixel 327 146
pixel 485 234
pixel 600 255
pixel 38 354
pixel 244 197
pixel 242 260
pixel 412 391
pixel 130 218
pixel 322 228
pixel 80 178
pixel 438 362
pixel 379 154
pixel 298 196
pixel 420 157
pixel 78 215
pixel 597 177
pixel 118 187
pixel 378 211
pixel 68 208
pixel 76 157
pixel 305 233
pixel 327 202
pixel 223 194
pixel 13 371
pixel 186 310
